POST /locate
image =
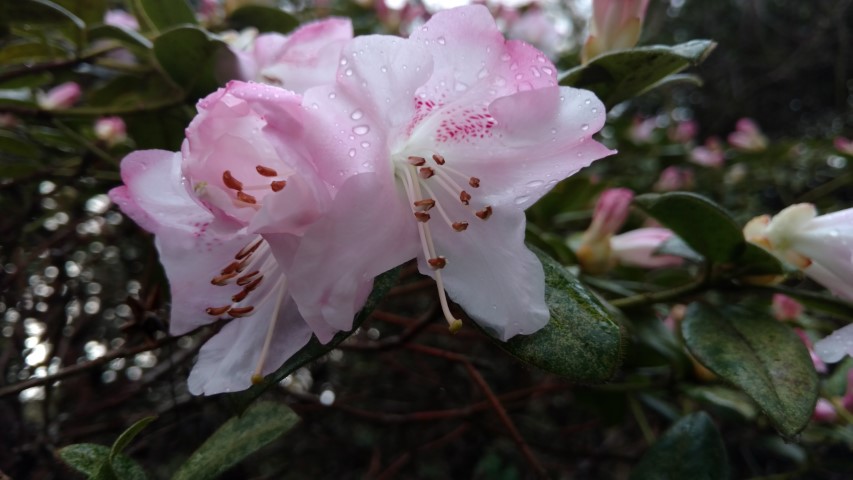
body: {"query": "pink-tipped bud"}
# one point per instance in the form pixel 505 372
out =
pixel 638 248
pixel 674 178
pixel 709 155
pixel 824 411
pixel 786 308
pixel 683 132
pixel 642 130
pixel 611 211
pixel 843 145
pixel 121 19
pixel 615 25
pixel 60 96
pixel 111 130
pixel 747 136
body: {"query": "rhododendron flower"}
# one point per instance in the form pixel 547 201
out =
pixel 611 211
pixel 821 246
pixel 536 27
pixel 227 212
pixel 122 19
pixel 785 308
pixel 61 96
pixel 305 58
pixel 111 130
pixel 615 25
pixel 683 132
pixel 450 135
pixel 843 145
pixel 709 155
pixel 747 136
pixel 674 178
pixel 638 248
pixel 642 130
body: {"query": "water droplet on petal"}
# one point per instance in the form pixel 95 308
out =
pixel 361 129
pixel 518 76
pixel 584 127
pixel 522 199
pixel 547 70
pixel 441 40
pixel 356 115
pixel 383 69
pixel 460 87
pixel 332 95
pixel 348 72
pixel 513 66
pixel 535 72
pixel 594 110
pixel 587 101
pixel 535 183
pixel 315 106
pixel 553 131
pixel 505 57
pixel 483 74
pixel 352 152
pixel 343 61
pixel 365 144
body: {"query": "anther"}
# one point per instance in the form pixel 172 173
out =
pixel 247 278
pixel 417 161
pixel 474 182
pixel 248 250
pixel 254 284
pixel 266 171
pixel 238 312
pixel 464 197
pixel 437 262
pixel 230 181
pixel 438 159
pixel 241 295
pixel 245 197
pixel 277 185
pixel 422 216
pixel 426 172
pixel 458 226
pixel 485 213
pixel 217 311
pixel 232 267
pixel 425 204
pixel 221 280
pixel 257 379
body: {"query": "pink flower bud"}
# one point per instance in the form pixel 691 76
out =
pixel 824 411
pixel 709 155
pixel 122 19
pixel 683 132
pixel 60 96
pixel 785 308
pixel 611 211
pixel 642 129
pixel 747 136
pixel 111 130
pixel 843 145
pixel 615 25
pixel 674 178
pixel 637 248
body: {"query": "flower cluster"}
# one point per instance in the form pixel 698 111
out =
pixel 344 157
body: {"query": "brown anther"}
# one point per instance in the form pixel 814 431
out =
pixel 221 280
pixel 460 226
pixel 474 182
pixel 232 267
pixel 252 286
pixel 242 265
pixel 437 263
pixel 230 181
pixel 422 216
pixel 238 312
pixel 417 161
pixel 248 250
pixel 277 185
pixel 426 172
pixel 217 311
pixel 247 278
pixel 464 197
pixel 266 171
pixel 246 198
pixel 438 159
pixel 240 296
pixel 425 204
pixel 485 213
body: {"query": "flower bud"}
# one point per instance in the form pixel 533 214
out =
pixel 843 145
pixel 111 130
pixel 674 178
pixel 609 215
pixel 615 25
pixel 709 155
pixel 59 97
pixel 786 308
pixel 747 137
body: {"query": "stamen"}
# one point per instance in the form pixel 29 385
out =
pixel 266 171
pixel 248 250
pixel 230 181
pixel 485 213
pixel 425 204
pixel 426 172
pixel 217 311
pixel 258 375
pixel 278 185
pixel 438 159
pixel 438 206
pixel 240 312
pixel 464 197
pixel 232 267
pixel 245 279
pixel 437 263
pixel 245 197
pixel 458 226
pixel 417 161
pixel 221 280
pixel 474 182
pixel 240 296
pixel 422 216
pixel 254 284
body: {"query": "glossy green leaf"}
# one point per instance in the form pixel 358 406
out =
pixel 581 341
pixel 42 12
pixel 238 438
pixel 702 224
pixel 692 448
pixel 265 19
pixel 314 349
pixel 128 435
pixel 90 11
pixel 725 397
pixel 755 260
pixel 619 76
pixel 94 461
pixel 17 53
pixel 123 35
pixel 758 354
pixel 160 15
pixel 192 59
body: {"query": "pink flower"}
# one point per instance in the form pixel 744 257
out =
pixel 683 132
pixel 615 25
pixel 227 213
pixel 818 363
pixel 642 130
pixel 843 145
pixel 610 213
pixel 305 58
pixel 674 178
pixel 747 136
pixel 637 248
pixel 59 97
pixel 786 308
pixel 824 411
pixel 451 134
pixel 111 130
pixel 821 246
pixel 122 19
pixel 710 155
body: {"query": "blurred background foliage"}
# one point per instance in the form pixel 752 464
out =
pixel 84 302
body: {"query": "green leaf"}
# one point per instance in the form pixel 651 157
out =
pixel 94 461
pixel 692 448
pixel 123 35
pixel 314 349
pixel 43 12
pixel 191 58
pixel 128 435
pixel 758 354
pixel 265 19
pixel 238 438
pixel 18 53
pixel 618 76
pixel 725 397
pixel 702 224
pixel 755 260
pixel 581 342
pixel 90 11
pixel 815 300
pixel 160 15
pixel 11 144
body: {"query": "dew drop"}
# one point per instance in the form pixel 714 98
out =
pixel 343 61
pixel 348 72
pixel 587 101
pixel 441 40
pixel 518 76
pixel 535 183
pixel 365 144
pixel 315 106
pixel 547 70
pixel 505 57
pixel 424 29
pixel 584 127
pixel 594 110
pixel 522 199
pixel 351 152
pixel 500 81
pixel 332 95
pixel 525 87
pixel 553 131
pixel 483 74
pixel 513 66
pixel 361 130
pixel 356 115
pixel 460 87
pixel 383 69
pixel 365 164
pixel 535 72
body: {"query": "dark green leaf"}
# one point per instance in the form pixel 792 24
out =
pixel 18 53
pixel 43 12
pixel 238 438
pixel 755 260
pixel 265 19
pixel 121 34
pixel 192 59
pixel 692 448
pixel 11 144
pixel 128 435
pixel 93 461
pixel 90 11
pixel 725 397
pixel 581 342
pixel 815 300
pixel 702 224
pixel 618 76
pixel 758 354
pixel 314 349
pixel 160 15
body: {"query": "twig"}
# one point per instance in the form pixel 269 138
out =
pixel 642 299
pixel 402 460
